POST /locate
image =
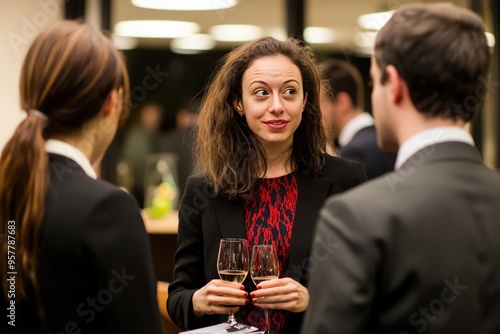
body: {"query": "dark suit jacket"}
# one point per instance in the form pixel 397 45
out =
pixel 416 251
pixel 363 148
pixel 204 219
pixel 95 271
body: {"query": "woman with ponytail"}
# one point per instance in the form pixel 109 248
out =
pixel 74 252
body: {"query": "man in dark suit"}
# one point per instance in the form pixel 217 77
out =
pixel 417 251
pixel 342 107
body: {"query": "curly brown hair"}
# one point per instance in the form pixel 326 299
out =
pixel 230 157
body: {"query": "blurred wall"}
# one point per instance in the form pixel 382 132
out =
pixel 21 21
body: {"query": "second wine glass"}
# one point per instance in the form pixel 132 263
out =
pixel 232 263
pixel 263 267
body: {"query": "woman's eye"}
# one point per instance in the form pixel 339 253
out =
pixel 290 91
pixel 260 92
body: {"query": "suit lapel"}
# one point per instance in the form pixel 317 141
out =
pixel 230 216
pixel 312 194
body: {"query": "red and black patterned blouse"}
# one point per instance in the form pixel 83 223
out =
pixel 269 219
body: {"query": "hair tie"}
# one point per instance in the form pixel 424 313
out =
pixel 39 114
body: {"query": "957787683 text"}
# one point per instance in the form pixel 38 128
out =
pixel 11 273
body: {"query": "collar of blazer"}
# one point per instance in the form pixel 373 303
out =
pixel 446 151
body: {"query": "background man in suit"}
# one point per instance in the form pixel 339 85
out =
pixel 417 250
pixel 342 106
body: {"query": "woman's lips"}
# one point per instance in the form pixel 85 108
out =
pixel 276 125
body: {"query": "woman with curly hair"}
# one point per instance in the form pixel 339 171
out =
pixel 263 176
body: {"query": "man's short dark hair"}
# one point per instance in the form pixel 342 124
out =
pixel 441 52
pixel 343 77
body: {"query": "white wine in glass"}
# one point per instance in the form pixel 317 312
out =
pixel 263 267
pixel 232 263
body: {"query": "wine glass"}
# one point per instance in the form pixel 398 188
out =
pixel 263 267
pixel 232 263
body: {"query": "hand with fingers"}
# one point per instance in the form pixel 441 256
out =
pixel 219 297
pixel 283 294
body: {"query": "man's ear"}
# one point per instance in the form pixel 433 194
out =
pixel 343 100
pixel 111 103
pixel 396 84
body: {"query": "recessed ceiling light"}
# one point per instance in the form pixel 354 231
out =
pixel 319 35
pixel 490 38
pixel 192 44
pixel 374 21
pixel 185 4
pixel 278 33
pixel 235 32
pixel 124 42
pixel 156 28
pixel 365 39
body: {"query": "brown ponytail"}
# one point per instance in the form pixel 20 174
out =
pixel 23 181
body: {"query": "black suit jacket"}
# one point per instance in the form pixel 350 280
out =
pixel 363 148
pixel 204 219
pixel 416 251
pixel 95 271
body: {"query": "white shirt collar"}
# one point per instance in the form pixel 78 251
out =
pixel 69 151
pixel 352 127
pixel 431 137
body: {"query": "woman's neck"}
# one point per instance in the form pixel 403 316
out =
pixel 278 164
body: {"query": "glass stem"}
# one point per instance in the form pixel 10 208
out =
pixel 266 314
pixel 231 319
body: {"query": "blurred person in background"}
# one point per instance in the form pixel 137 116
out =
pixel 82 261
pixel 141 140
pixel 342 105
pixel 181 141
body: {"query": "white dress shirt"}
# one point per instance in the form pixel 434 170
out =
pixel 430 137
pixel 352 127
pixel 69 151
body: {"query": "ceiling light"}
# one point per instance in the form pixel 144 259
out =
pixel 124 42
pixel 156 29
pixel 490 38
pixel 278 33
pixel 365 39
pixel 235 32
pixel 192 44
pixel 374 21
pixel 185 4
pixel 319 35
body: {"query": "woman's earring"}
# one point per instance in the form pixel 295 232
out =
pixel 241 115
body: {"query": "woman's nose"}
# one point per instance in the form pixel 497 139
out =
pixel 276 104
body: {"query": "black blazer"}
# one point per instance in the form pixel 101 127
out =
pixel 418 251
pixel 364 148
pixel 204 219
pixel 95 271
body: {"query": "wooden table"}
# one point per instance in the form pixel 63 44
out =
pixel 165 225
pixel 163 241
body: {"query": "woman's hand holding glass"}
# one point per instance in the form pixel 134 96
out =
pixel 273 293
pixel 224 296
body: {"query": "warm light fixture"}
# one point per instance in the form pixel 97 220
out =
pixel 156 28
pixel 192 44
pixel 374 21
pixel 490 38
pixel 124 42
pixel 235 32
pixel 185 4
pixel 319 35
pixel 365 39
